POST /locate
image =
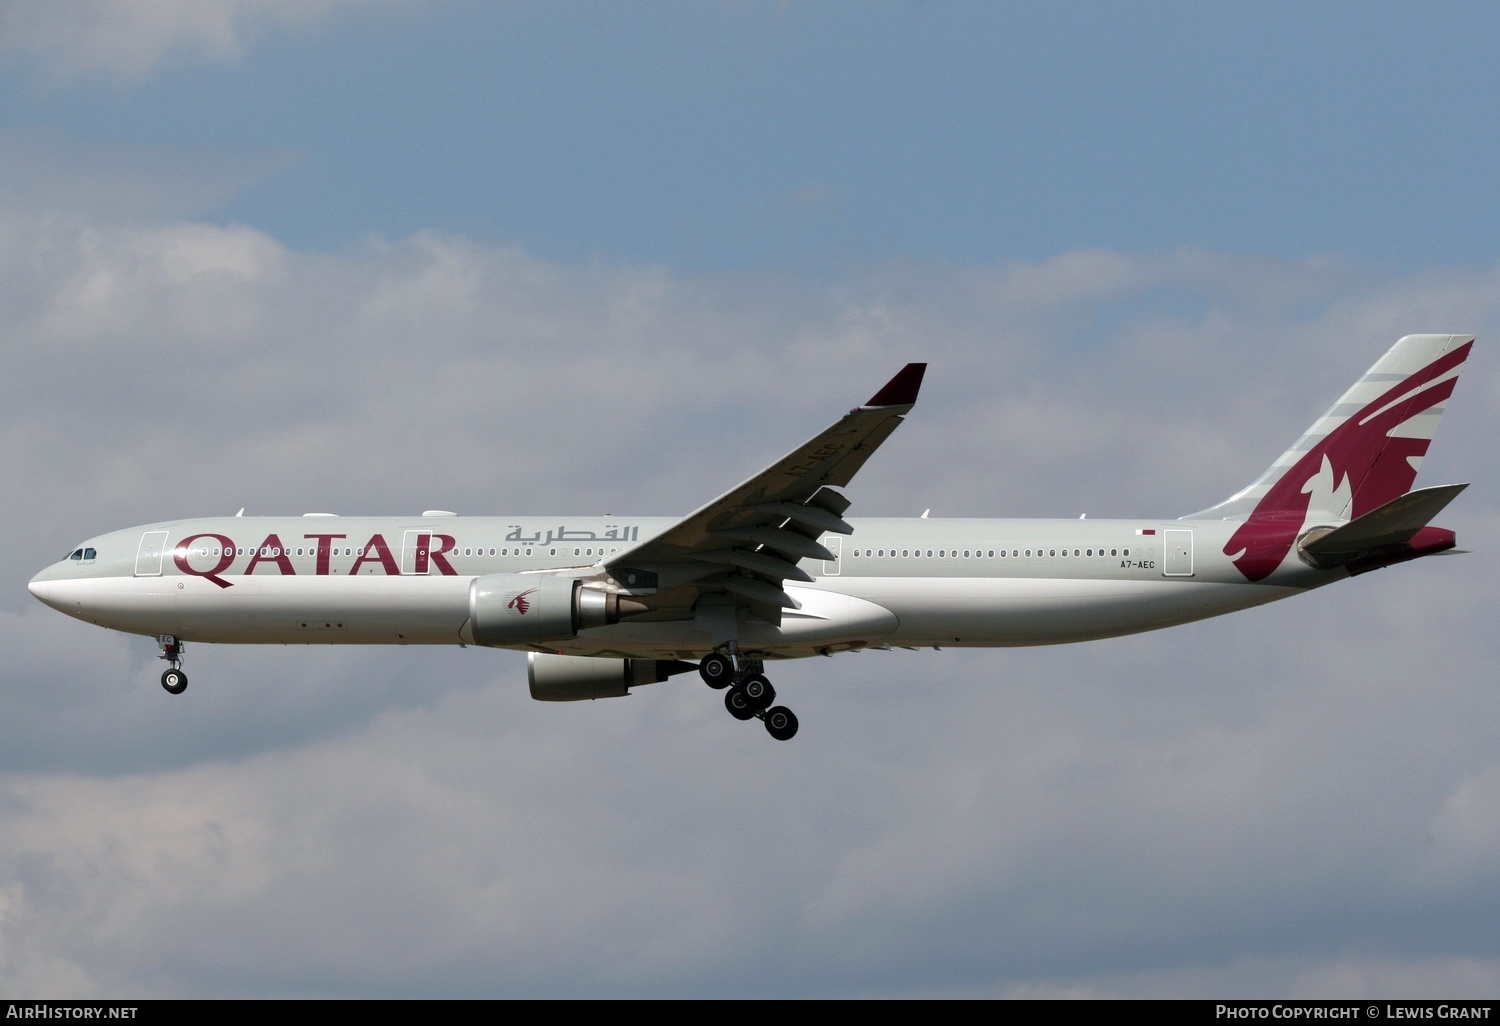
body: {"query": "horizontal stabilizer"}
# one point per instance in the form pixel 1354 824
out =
pixel 1392 533
pixel 1391 524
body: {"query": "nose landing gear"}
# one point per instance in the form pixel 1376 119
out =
pixel 173 679
pixel 749 694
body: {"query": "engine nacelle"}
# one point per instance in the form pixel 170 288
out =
pixel 526 609
pixel 565 678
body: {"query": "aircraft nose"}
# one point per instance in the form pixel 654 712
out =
pixel 45 587
pixel 38 587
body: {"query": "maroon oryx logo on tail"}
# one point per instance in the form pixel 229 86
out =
pixel 1362 463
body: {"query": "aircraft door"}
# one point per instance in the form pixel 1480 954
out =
pixel 835 544
pixel 415 552
pixel 148 556
pixel 1177 553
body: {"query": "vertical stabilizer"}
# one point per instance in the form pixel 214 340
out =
pixel 1360 455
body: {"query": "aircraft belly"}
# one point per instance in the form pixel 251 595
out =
pixel 276 609
pixel 1039 611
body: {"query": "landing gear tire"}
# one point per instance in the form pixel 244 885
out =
pixel 758 692
pixel 781 723
pixel 174 680
pixel 716 670
pixel 738 704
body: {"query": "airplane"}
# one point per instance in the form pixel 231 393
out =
pixel 773 570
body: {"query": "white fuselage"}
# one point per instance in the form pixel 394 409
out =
pixel 916 583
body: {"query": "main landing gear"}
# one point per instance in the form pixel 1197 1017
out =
pixel 747 693
pixel 173 679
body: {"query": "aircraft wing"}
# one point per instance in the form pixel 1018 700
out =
pixel 748 541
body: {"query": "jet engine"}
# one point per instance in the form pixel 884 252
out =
pixel 565 678
pixel 525 609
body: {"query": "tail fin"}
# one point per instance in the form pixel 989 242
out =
pixel 1360 455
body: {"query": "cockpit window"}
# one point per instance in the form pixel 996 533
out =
pixel 83 555
pixel 77 554
pixel 89 553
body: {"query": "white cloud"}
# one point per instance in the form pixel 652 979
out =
pixel 130 39
pixel 48 173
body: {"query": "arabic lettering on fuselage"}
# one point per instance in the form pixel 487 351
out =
pixel 425 552
pixel 568 534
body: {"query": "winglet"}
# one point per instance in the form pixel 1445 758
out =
pixel 902 389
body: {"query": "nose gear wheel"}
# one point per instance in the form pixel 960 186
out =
pixel 173 679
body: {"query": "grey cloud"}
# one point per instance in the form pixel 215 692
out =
pixel 1292 799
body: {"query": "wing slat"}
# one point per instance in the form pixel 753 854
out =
pixel 756 523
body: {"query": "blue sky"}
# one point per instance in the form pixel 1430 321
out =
pixel 539 258
pixel 711 136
